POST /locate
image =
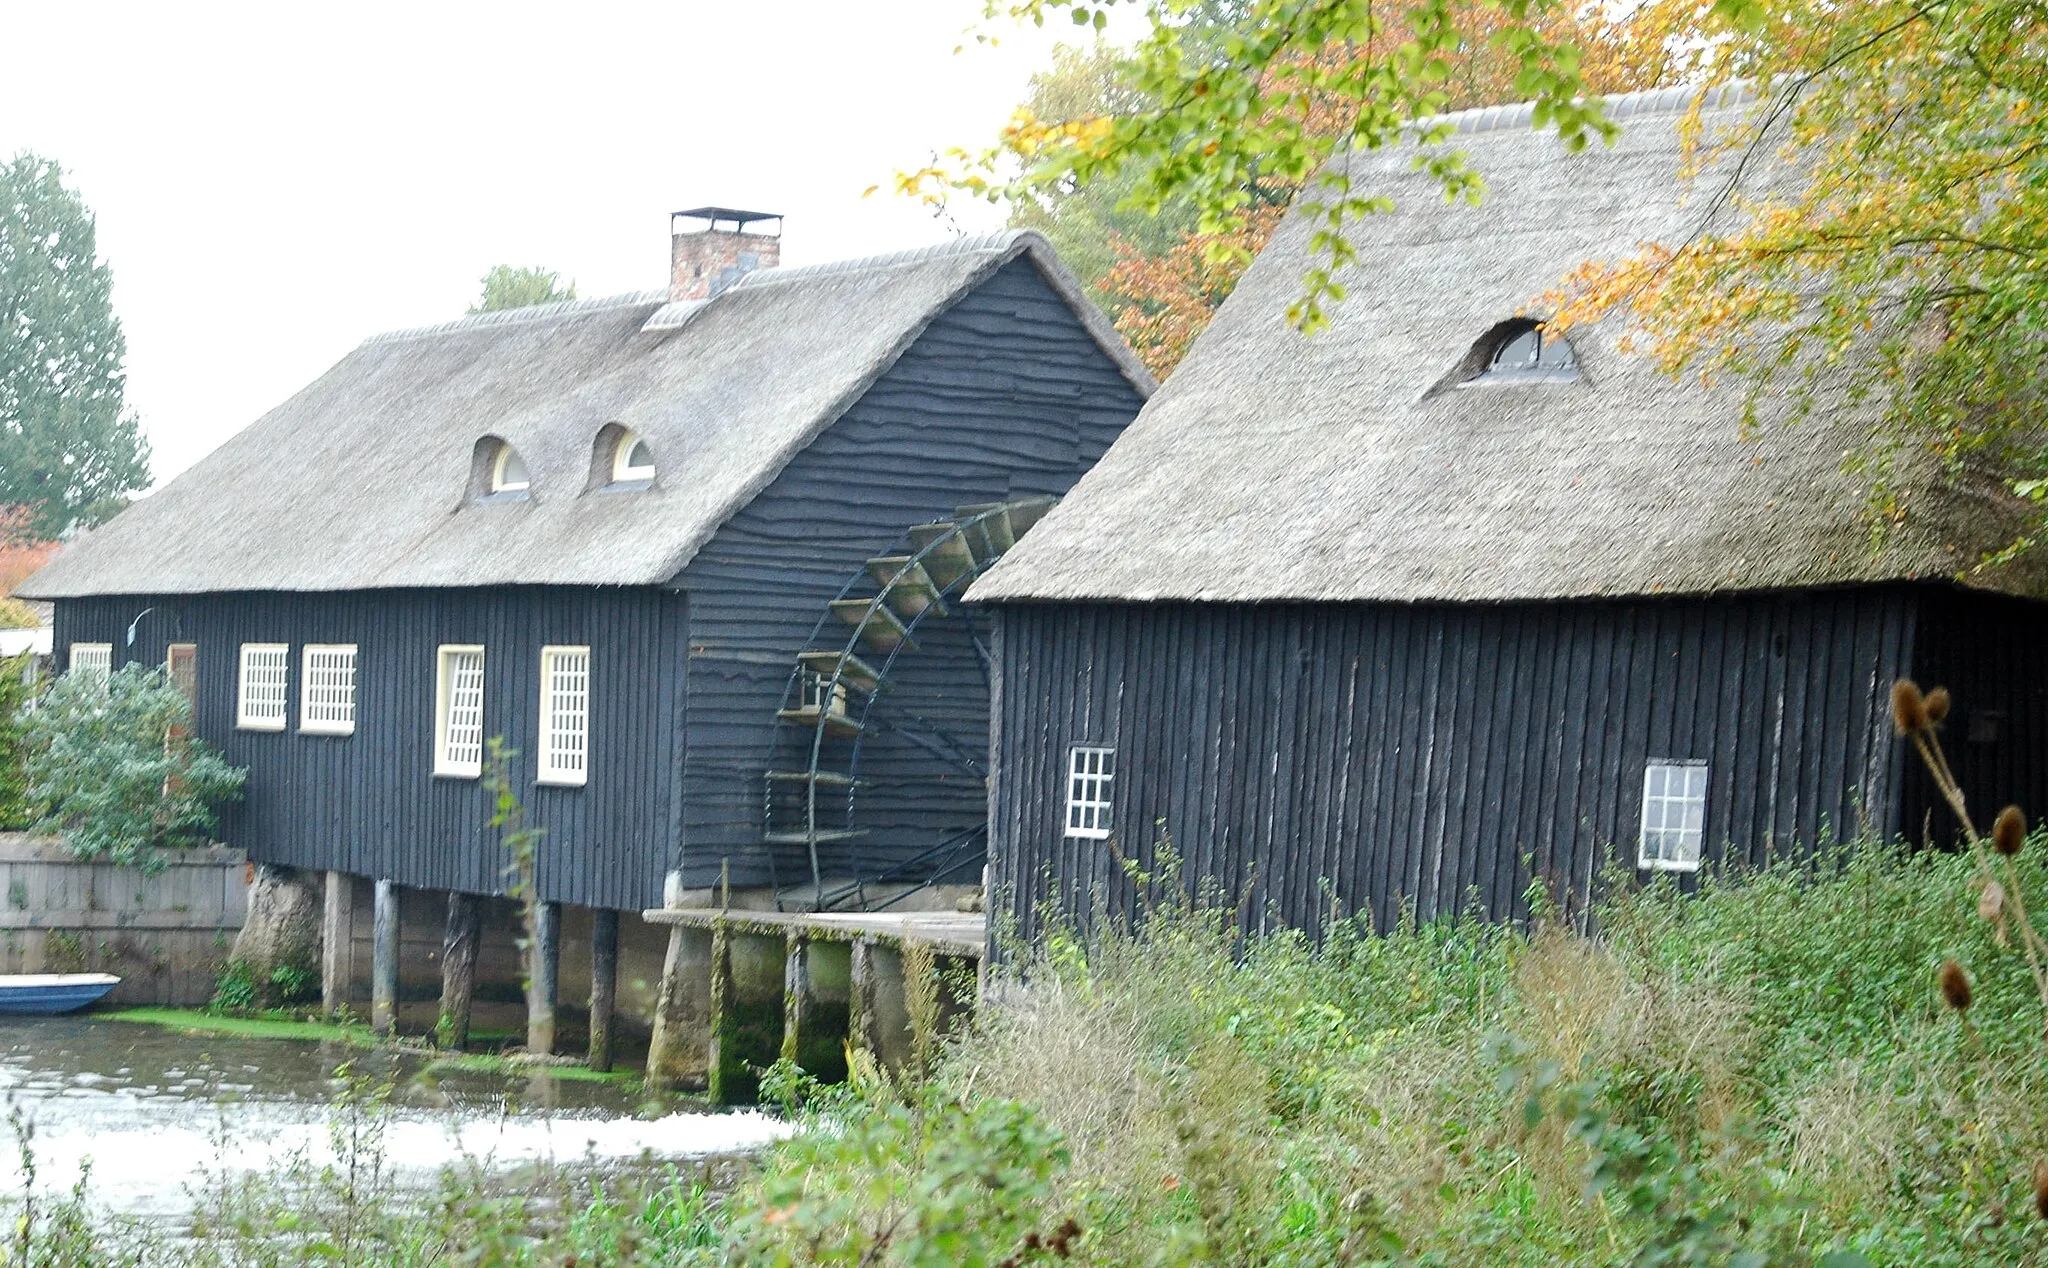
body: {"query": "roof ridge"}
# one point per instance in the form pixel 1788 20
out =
pixel 969 244
pixel 1620 105
pixel 520 316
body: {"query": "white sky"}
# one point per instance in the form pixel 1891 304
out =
pixel 274 182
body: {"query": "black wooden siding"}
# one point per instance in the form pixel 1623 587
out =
pixel 1386 756
pixel 369 803
pixel 1004 395
pixel 1991 652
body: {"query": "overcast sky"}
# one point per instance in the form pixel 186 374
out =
pixel 274 182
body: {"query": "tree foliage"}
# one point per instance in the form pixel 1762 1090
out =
pixel 1225 112
pixel 509 287
pixel 113 766
pixel 69 450
pixel 15 692
pixel 1910 260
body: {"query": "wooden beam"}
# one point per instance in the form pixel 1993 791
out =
pixel 384 960
pixel 337 942
pixel 458 970
pixel 541 990
pixel 604 984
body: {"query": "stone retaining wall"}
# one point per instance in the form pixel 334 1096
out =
pixel 165 935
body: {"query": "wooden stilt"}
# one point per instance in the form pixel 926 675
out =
pixel 861 1026
pixel 337 942
pixel 541 991
pixel 796 991
pixel 604 985
pixel 719 1079
pixel 384 960
pixel 458 970
pixel 676 1054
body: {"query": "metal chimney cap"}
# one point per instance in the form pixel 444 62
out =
pixel 716 216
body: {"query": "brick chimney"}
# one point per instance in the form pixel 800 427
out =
pixel 709 256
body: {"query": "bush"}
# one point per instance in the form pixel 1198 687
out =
pixel 112 765
pixel 15 695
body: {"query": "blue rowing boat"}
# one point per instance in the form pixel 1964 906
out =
pixel 41 994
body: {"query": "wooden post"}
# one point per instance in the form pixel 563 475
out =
pixel 815 986
pixel 384 960
pixel 860 1014
pixel 541 991
pixel 337 942
pixel 458 970
pixel 718 1053
pixel 604 984
pixel 677 1055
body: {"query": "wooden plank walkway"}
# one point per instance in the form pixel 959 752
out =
pixel 950 933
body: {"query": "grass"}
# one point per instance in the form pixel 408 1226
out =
pixel 195 1022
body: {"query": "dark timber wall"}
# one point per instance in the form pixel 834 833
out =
pixel 1004 395
pixel 1383 756
pixel 1991 652
pixel 369 803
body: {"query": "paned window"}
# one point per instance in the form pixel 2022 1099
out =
pixel 327 689
pixel 260 695
pixel 1674 815
pixel 181 666
pixel 92 658
pixel 564 715
pixel 1091 772
pixel 631 459
pixel 459 712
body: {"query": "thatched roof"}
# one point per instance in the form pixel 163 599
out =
pixel 1274 466
pixel 360 480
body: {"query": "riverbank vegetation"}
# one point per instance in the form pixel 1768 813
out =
pixel 1769 1071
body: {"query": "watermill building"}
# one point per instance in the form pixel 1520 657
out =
pixel 1434 605
pixel 693 554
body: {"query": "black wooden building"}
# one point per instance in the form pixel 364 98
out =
pixel 605 531
pixel 1436 604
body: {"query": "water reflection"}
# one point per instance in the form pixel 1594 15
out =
pixel 156 1111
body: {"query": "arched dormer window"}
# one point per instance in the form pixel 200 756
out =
pixel 508 472
pixel 1518 351
pixel 620 460
pixel 497 472
pixel 632 460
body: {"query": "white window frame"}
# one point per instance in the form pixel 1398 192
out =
pixel 320 714
pixel 458 765
pixel 98 659
pixel 623 470
pixel 1661 800
pixel 1091 790
pixel 565 765
pixel 500 483
pixel 247 718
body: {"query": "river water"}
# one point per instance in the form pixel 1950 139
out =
pixel 160 1114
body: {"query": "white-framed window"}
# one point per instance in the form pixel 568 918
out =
pixel 260 687
pixel 1091 775
pixel 508 471
pixel 1674 815
pixel 632 460
pixel 459 711
pixel 92 658
pixel 327 689
pixel 564 715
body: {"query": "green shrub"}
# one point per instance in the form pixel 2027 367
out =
pixel 15 695
pixel 113 767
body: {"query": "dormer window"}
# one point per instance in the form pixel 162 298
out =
pixel 1519 351
pixel 508 471
pixel 632 460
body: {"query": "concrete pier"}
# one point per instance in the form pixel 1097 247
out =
pixel 742 988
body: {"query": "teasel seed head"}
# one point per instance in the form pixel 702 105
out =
pixel 2041 1187
pixel 1955 986
pixel 2009 833
pixel 1937 706
pixel 1909 707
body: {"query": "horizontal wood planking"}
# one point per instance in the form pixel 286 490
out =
pixel 369 803
pixel 1004 395
pixel 1305 759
